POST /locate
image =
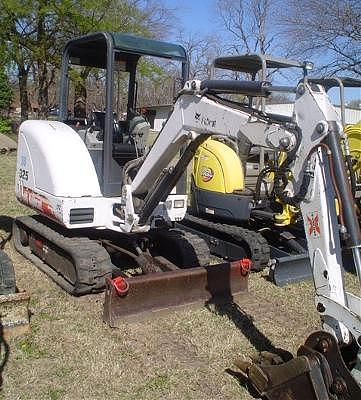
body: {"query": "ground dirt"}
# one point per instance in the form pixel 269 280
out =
pixel 71 354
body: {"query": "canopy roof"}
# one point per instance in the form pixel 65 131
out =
pixel 91 50
pixel 329 82
pixel 252 63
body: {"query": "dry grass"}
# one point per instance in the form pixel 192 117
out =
pixel 72 354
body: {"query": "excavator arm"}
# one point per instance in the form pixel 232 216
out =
pixel 195 117
pixel 311 178
pixel 320 371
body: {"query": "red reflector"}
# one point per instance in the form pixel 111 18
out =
pixel 39 243
pixel 245 264
pixel 121 285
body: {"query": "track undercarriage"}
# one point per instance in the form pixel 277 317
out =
pixel 283 249
pixel 229 241
pixel 141 272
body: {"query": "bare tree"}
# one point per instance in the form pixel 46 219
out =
pixel 249 25
pixel 328 30
pixel 201 52
pixel 158 19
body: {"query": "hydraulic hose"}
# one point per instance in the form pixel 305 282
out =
pixel 351 173
pixel 297 198
pixel 262 174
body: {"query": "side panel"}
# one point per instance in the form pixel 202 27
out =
pixel 53 158
pixel 218 168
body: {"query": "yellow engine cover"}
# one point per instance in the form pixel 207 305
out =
pixel 217 168
pixel 354 138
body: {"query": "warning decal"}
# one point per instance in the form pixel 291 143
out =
pixel 313 223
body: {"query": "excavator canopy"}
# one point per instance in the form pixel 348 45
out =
pixel 91 50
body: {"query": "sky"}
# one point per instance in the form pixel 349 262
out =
pixel 197 16
pixel 194 15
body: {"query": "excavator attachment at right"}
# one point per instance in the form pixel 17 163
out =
pixel 328 365
pixel 319 372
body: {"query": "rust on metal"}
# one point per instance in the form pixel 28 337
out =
pixel 167 290
pixel 317 373
pixel 343 381
pixel 14 314
pixel 144 259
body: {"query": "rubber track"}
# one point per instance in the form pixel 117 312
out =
pixel 194 250
pixel 7 275
pixel 256 243
pixel 200 246
pixel 91 261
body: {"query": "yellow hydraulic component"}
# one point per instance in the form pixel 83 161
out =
pixel 287 216
pixel 353 133
pixel 289 213
pixel 217 168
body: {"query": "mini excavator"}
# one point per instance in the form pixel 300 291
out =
pixel 100 216
pixel 86 201
pixel 232 182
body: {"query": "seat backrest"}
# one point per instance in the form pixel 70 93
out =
pixel 139 130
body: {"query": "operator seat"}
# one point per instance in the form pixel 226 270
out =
pixel 139 130
pixel 129 137
pixel 136 142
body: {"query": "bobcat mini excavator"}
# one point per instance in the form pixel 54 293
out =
pixel 232 181
pixel 57 175
pixel 79 174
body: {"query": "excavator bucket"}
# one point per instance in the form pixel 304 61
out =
pixel 145 295
pixel 319 372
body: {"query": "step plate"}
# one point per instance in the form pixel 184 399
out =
pixel 166 291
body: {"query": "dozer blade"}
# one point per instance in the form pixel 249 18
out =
pixel 290 269
pixel 144 295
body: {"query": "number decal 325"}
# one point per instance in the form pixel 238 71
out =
pixel 23 174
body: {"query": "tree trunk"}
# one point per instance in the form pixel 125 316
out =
pixel 43 95
pixel 80 100
pixel 80 94
pixel 23 87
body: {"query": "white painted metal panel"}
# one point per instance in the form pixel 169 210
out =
pixel 56 159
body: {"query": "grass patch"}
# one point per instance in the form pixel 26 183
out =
pixel 158 384
pixel 56 394
pixel 30 349
pixel 64 371
pixel 182 355
pixel 45 316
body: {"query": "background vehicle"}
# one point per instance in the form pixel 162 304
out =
pixel 232 181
